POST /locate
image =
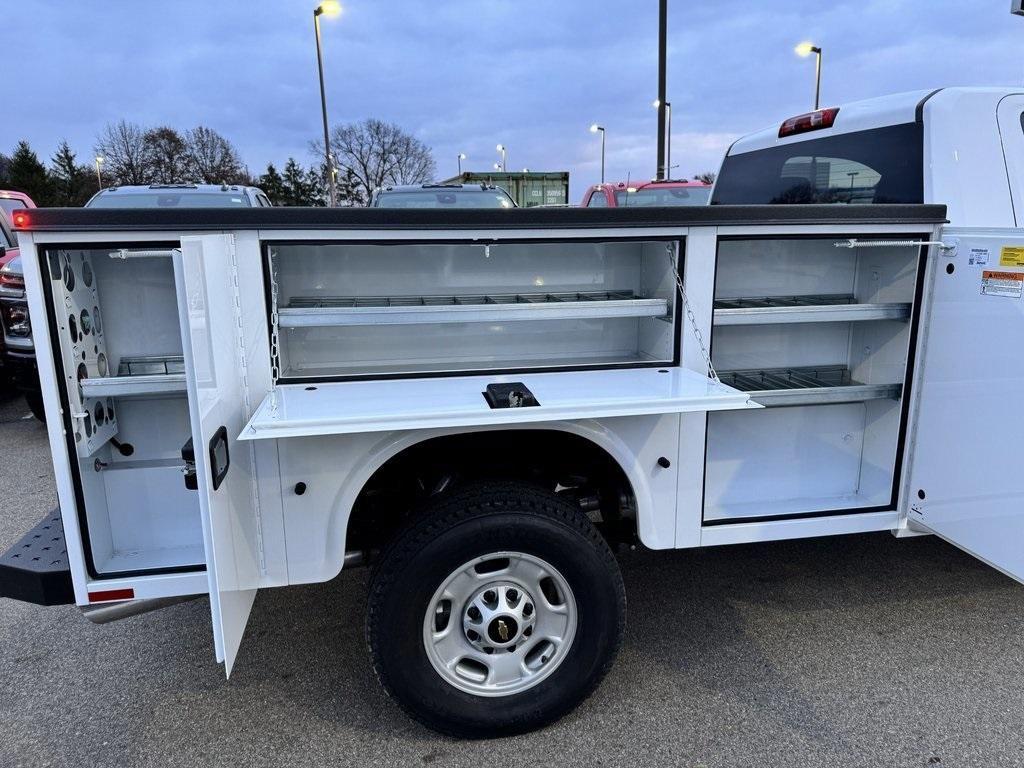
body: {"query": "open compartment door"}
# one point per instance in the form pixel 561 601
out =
pixel 966 481
pixel 205 274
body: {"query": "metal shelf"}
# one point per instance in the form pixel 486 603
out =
pixel 140 377
pixel 825 308
pixel 807 386
pixel 320 311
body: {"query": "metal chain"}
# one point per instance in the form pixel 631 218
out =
pixel 673 256
pixel 275 347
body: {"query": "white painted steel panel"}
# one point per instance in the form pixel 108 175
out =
pixel 210 325
pixel 966 482
pixel 1011 132
pixel 376 406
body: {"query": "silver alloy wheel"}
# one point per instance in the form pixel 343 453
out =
pixel 500 624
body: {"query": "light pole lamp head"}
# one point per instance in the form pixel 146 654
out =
pixel 806 49
pixel 500 147
pixel 497 166
pixel 594 128
pixel 462 155
pixel 328 8
pixel 100 159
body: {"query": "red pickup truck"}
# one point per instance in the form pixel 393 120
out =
pixel 18 355
pixel 623 194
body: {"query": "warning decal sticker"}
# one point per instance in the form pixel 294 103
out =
pixel 1012 256
pixel 1009 284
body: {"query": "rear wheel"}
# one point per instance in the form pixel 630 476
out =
pixel 496 613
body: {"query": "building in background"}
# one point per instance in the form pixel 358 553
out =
pixel 528 188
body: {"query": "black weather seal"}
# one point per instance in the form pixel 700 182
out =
pixel 919 111
pixel 173 220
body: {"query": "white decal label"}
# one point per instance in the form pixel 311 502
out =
pixel 978 256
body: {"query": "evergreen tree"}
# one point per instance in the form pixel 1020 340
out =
pixel 297 190
pixel 28 175
pixel 272 183
pixel 72 184
pixel 350 192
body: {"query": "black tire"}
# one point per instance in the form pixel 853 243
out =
pixel 470 523
pixel 35 404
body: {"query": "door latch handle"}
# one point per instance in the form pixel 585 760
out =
pixel 220 457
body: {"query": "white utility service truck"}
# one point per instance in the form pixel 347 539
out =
pixel 483 403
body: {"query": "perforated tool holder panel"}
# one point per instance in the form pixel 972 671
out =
pixel 83 349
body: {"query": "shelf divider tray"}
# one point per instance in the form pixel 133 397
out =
pixel 140 377
pixel 807 386
pixel 313 312
pixel 826 308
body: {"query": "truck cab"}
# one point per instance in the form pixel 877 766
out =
pixel 963 147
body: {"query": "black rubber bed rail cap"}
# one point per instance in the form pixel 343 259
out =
pixel 36 570
pixel 218 219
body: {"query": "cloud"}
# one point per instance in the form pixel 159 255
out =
pixel 464 75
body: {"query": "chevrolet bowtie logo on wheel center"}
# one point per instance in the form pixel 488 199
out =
pixel 502 629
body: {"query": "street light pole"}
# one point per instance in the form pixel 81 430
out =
pixel 99 176
pixel 804 50
pixel 461 157
pixel 328 8
pixel 504 158
pixel 668 138
pixel 594 129
pixel 662 80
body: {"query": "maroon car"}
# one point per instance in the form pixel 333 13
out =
pixel 18 354
pixel 623 194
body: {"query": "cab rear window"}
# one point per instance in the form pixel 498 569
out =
pixel 883 165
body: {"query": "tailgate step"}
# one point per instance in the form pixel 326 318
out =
pixel 36 570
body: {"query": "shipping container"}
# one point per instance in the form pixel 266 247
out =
pixel 528 189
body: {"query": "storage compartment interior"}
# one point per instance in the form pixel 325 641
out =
pixel 821 336
pixel 360 310
pixel 120 346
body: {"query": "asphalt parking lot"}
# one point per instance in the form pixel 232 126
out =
pixel 849 651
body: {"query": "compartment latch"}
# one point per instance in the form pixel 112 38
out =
pixel 188 454
pixel 512 395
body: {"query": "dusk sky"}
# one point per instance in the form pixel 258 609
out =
pixel 463 75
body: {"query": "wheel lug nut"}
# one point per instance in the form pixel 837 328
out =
pixel 472 635
pixel 528 609
pixel 512 596
pixel 528 631
pixel 490 597
pixel 474 613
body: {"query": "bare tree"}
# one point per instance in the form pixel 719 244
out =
pixel 166 155
pixel 374 153
pixel 122 146
pixel 708 177
pixel 211 158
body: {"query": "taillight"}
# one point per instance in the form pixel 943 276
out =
pixel 20 219
pixel 812 121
